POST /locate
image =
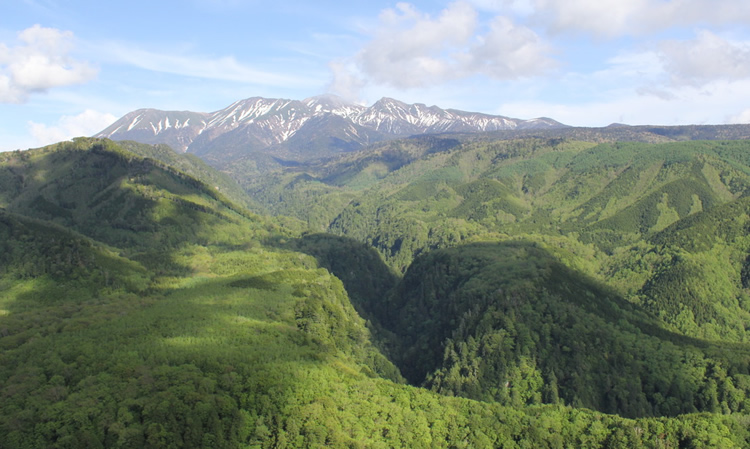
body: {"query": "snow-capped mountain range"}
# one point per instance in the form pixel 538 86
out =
pixel 293 128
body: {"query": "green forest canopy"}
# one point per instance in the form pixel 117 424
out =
pixel 528 293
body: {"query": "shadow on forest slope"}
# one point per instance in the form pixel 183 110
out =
pixel 366 278
pixel 142 207
pixel 508 322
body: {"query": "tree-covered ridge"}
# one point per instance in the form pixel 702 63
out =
pixel 662 227
pixel 140 307
pixel 196 168
pixel 231 360
pixel 264 176
pixel 136 203
pixel 601 205
pixel 610 194
pixel 198 275
pixel 507 322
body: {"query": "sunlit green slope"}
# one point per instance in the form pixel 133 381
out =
pixel 598 207
pixel 622 266
pixel 141 308
pixel 607 194
pixel 161 279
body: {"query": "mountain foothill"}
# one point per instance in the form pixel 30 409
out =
pixel 315 273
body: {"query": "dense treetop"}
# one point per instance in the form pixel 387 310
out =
pixel 428 292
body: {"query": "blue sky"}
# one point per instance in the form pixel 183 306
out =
pixel 70 68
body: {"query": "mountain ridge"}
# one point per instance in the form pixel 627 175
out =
pixel 268 124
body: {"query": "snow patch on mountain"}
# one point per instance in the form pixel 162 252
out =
pixel 274 121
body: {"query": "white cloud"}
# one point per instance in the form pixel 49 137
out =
pixel 87 123
pixel 596 16
pixel 706 58
pixel 225 68
pixel 717 102
pixel 346 83
pixel 508 51
pixel 666 70
pixel 518 7
pixel 742 117
pixel 611 18
pixel 413 49
pixel 40 62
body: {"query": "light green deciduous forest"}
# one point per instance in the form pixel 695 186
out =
pixel 438 291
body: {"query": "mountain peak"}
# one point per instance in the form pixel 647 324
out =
pixel 332 104
pixel 387 102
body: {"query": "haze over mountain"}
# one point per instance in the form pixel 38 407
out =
pixel 298 130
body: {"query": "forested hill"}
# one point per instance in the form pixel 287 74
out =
pixel 649 234
pixel 483 294
pixel 608 210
